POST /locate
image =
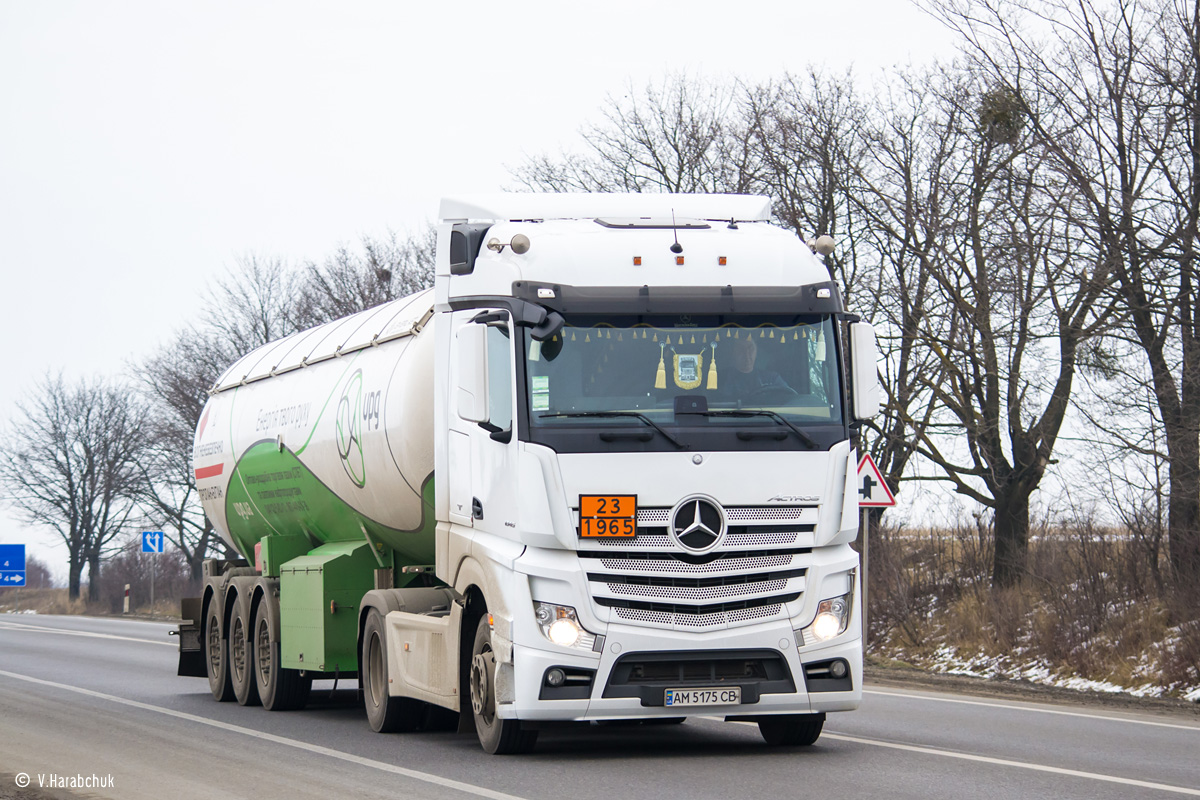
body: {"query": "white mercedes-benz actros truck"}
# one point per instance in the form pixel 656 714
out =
pixel 603 470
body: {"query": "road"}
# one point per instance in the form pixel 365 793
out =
pixel 85 696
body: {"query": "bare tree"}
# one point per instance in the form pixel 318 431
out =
pixel 1015 290
pixel 252 304
pixel 175 381
pixel 347 281
pixel 806 139
pixel 673 137
pixel 901 183
pixel 70 462
pixel 1117 85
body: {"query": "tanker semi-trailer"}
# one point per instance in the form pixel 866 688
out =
pixel 603 470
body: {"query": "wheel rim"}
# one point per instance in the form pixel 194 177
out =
pixel 483 699
pixel 262 647
pixel 237 647
pixel 214 646
pixel 375 667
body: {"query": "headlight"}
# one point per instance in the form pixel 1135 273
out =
pixel 833 616
pixel 560 625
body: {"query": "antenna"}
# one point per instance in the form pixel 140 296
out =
pixel 677 247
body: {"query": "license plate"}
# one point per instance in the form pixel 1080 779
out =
pixel 607 515
pixel 730 696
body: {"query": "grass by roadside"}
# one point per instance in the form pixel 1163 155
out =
pixel 1096 611
pixel 56 601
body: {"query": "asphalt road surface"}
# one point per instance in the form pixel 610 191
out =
pixel 97 701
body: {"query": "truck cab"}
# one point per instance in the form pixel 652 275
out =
pixel 644 416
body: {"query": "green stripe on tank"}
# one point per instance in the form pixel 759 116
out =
pixel 272 491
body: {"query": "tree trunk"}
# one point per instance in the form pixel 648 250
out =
pixel 196 567
pixel 93 562
pixel 74 571
pixel 1183 515
pixel 1012 536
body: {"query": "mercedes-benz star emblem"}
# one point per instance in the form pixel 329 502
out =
pixel 698 524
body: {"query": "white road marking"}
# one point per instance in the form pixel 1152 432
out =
pixel 427 777
pixel 1003 762
pixel 9 626
pixel 1194 728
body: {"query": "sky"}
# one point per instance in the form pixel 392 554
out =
pixel 146 145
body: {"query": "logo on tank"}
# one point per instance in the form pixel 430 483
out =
pixel 357 412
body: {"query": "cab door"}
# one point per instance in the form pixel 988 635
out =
pixel 481 453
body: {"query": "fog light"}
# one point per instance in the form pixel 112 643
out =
pixel 556 677
pixel 838 669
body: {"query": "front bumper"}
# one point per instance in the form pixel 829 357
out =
pixel 772 644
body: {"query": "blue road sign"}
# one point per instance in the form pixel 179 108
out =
pixel 12 565
pixel 152 541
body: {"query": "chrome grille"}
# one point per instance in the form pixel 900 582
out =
pixel 695 593
pixel 758 568
pixel 674 565
pixel 718 620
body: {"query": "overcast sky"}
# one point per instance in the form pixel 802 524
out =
pixel 145 145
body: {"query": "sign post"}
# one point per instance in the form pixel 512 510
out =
pixel 12 568
pixel 873 492
pixel 152 542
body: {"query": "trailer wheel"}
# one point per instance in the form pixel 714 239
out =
pixel 216 654
pixel 791 730
pixel 279 689
pixel 386 714
pixel 498 736
pixel 241 654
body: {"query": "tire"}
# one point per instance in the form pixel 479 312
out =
pixel 216 653
pixel 279 689
pixel 791 730
pixel 497 736
pixel 385 714
pixel 241 654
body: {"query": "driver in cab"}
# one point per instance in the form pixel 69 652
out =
pixel 746 380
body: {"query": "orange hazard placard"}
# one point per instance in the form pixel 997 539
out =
pixel 607 515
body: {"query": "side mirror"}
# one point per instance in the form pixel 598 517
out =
pixel 472 373
pixel 864 374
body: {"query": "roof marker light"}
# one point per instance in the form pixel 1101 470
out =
pixel 721 260
pixel 679 260
pixel 637 261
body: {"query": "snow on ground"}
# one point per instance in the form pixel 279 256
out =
pixel 946 659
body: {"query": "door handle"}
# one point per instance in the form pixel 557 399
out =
pixel 476 508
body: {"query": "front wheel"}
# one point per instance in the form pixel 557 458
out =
pixel 385 714
pixel 791 730
pixel 497 736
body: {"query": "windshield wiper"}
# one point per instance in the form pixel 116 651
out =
pixel 735 412
pixel 632 414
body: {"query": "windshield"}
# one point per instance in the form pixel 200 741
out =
pixel 777 372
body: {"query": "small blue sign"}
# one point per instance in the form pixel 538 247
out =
pixel 152 541
pixel 12 565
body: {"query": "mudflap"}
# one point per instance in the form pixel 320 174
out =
pixel 191 651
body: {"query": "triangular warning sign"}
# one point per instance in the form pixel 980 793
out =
pixel 873 491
